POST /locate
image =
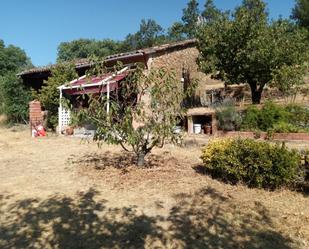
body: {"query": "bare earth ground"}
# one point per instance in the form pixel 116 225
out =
pixel 59 192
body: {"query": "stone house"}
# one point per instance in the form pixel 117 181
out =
pixel 181 57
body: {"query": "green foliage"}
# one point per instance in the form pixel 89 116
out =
pixel 211 12
pixel 250 119
pixel 12 59
pixel 143 115
pixel 275 118
pixel 254 163
pixel 149 34
pixel 190 18
pixel 85 48
pixel 48 95
pixel 300 13
pixel 246 48
pixel 228 117
pixel 299 115
pixel 270 115
pixel 15 98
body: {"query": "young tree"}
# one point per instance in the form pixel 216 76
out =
pixel 143 115
pixel 300 13
pixel 190 18
pixel 246 48
pixel 48 95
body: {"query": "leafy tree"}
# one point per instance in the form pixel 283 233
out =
pixel 149 34
pixel 246 48
pixel 48 95
pixel 15 98
pixel 210 12
pixel 13 95
pixel 143 115
pixel 300 13
pixel 176 32
pixel 12 59
pixel 190 18
pixel 85 48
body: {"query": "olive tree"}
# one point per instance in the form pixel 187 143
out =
pixel 246 48
pixel 143 114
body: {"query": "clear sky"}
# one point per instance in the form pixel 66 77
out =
pixel 38 26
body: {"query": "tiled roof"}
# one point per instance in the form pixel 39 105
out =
pixel 82 63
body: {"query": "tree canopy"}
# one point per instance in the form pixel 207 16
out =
pixel 300 13
pixel 246 47
pixel 14 96
pixel 85 48
pixel 12 59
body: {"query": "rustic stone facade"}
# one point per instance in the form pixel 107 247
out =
pixel 185 58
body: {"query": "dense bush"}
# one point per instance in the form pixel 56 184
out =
pixel 275 118
pixel 254 163
pixel 15 98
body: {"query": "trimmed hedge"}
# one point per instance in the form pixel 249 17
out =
pixel 254 163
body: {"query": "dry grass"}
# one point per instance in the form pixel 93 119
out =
pixel 59 192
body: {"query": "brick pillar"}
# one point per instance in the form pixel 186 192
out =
pixel 35 113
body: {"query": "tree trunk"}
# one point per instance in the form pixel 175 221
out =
pixel 141 159
pixel 256 94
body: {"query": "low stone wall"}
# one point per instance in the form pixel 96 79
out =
pixel 263 135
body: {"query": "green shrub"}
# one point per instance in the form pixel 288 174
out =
pixel 283 127
pixel 14 99
pixel 254 163
pixel 275 118
pixel 271 114
pixel 228 117
pixel 299 115
pixel 250 120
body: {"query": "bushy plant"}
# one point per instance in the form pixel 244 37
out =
pixel 250 120
pixel 254 163
pixel 15 98
pixel 299 115
pixel 228 117
pixel 271 114
pixel 275 118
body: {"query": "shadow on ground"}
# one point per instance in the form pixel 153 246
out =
pixel 206 219
pixel 121 161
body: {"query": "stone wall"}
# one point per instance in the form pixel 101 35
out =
pixel 184 58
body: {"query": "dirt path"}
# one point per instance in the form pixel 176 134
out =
pixel 59 192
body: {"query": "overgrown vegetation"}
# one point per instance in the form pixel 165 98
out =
pixel 14 96
pixel 254 163
pixel 275 118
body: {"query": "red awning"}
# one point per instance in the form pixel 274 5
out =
pixel 96 84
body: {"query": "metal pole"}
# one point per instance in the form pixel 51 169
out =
pixel 108 90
